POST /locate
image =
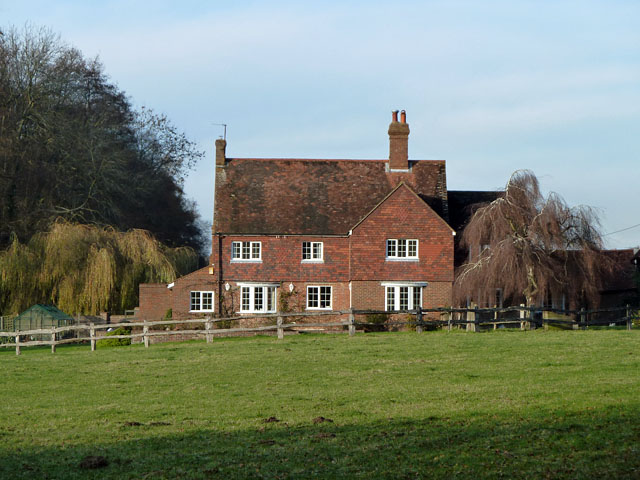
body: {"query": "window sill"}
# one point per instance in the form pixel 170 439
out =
pixel 319 308
pixel 201 311
pixel 252 312
pixel 239 260
pixel 401 259
pixel 312 261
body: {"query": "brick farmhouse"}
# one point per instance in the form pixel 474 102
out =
pixel 324 234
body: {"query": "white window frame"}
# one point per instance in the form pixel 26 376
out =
pixel 198 296
pixel 257 291
pixel 319 293
pixel 396 288
pixel 312 252
pixel 397 249
pixel 558 301
pixel 248 251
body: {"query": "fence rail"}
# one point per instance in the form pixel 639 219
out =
pixel 473 319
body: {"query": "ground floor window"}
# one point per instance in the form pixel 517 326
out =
pixel 319 297
pixel 257 298
pixel 557 301
pixel 403 297
pixel 201 301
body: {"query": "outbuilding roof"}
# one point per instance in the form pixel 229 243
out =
pixel 46 311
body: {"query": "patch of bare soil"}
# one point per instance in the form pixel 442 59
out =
pixel 91 462
pixel 321 420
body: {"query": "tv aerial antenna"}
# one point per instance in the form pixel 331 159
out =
pixel 225 129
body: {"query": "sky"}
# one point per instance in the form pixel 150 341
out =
pixel 491 87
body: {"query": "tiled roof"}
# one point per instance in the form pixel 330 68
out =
pixel 314 197
pixel 463 202
pixel 620 276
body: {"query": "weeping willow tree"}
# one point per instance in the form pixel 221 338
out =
pixel 86 269
pixel 529 246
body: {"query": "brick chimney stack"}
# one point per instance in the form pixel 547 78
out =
pixel 221 146
pixel 399 142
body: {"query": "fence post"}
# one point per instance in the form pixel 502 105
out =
pixel 472 319
pixel 280 329
pixel 53 339
pixel 207 328
pixel 92 336
pixel 352 327
pixel 419 320
pixel 628 317
pixel 17 343
pixel 145 331
pixel 583 318
pixel 449 315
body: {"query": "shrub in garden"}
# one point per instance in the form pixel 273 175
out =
pixel 377 322
pixel 116 342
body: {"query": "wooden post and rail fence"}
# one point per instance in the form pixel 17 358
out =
pixel 472 319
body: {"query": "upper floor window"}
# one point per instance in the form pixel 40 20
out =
pixel 401 248
pixel 246 251
pixel 201 302
pixel 319 297
pixel 312 251
pixel 257 298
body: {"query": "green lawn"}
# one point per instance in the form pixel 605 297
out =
pixel 556 404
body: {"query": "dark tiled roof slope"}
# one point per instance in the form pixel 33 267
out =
pixel 621 275
pixel 463 202
pixel 314 197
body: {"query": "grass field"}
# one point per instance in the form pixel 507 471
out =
pixel 401 405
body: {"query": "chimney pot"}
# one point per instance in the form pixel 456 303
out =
pixel 403 117
pixel 399 143
pixel 394 116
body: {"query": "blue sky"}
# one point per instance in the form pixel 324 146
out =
pixel 491 86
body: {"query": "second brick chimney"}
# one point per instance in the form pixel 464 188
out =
pixel 399 142
pixel 221 146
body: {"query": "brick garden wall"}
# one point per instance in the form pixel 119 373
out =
pixel 155 300
pixel 199 280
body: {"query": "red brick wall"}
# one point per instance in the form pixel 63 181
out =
pixel 155 300
pixel 359 258
pixel 282 259
pixel 367 295
pixel 370 295
pixel 199 280
pixel 402 215
pixel 437 294
pixel 297 300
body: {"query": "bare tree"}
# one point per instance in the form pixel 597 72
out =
pixel 72 146
pixel 529 245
